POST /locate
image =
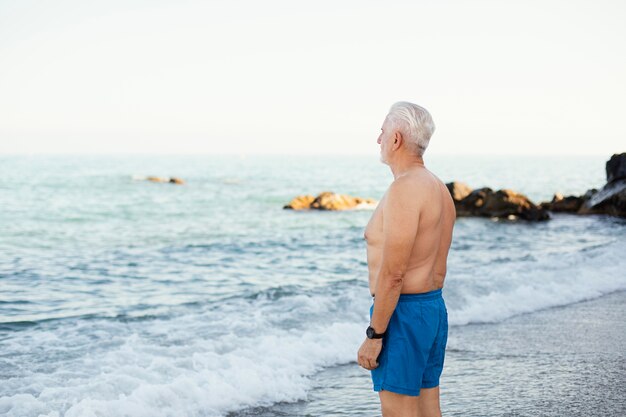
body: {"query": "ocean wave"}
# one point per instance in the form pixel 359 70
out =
pixel 261 347
pixel 241 353
pixel 557 280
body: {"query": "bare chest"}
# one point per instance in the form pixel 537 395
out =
pixel 374 229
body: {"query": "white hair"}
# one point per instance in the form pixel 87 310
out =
pixel 415 124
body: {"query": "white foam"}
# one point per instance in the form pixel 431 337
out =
pixel 254 352
pixel 200 364
pixel 556 281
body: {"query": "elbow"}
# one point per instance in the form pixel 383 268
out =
pixel 395 280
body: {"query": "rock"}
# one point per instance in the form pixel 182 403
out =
pixel 328 201
pixel 458 190
pixel 569 204
pixel 610 199
pixel 473 202
pixel 172 180
pixel 503 203
pixel 589 193
pixel 616 167
pixel 300 203
pixel 176 180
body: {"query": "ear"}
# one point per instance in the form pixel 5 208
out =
pixel 397 140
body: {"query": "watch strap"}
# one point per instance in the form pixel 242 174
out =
pixel 371 333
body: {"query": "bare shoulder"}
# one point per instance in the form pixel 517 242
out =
pixel 447 197
pixel 432 184
pixel 420 181
pixel 405 186
pixel 403 193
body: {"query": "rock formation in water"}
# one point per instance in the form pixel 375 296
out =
pixel 329 201
pixel 485 202
pixel 171 180
pixel 610 199
pixel 504 203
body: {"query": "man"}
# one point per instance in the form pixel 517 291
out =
pixel 408 239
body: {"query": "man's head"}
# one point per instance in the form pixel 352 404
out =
pixel 407 129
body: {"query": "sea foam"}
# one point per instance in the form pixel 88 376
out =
pixel 219 357
pixel 226 358
pixel 510 289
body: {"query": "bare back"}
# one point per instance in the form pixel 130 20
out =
pixel 426 270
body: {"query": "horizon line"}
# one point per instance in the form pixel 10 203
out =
pixel 115 153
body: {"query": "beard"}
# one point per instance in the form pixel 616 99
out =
pixel 382 158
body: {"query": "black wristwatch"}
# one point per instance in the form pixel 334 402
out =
pixel 371 333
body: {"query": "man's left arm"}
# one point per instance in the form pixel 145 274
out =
pixel 400 223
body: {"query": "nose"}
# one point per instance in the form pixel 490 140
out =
pixel 378 140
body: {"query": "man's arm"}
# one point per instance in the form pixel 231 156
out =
pixel 400 223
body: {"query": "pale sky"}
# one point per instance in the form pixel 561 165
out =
pixel 499 77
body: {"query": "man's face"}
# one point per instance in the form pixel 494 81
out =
pixel 385 140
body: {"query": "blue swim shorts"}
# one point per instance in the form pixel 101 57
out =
pixel 415 345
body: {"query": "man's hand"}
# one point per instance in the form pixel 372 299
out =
pixel 368 353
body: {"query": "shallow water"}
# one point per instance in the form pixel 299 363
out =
pixel 562 361
pixel 124 297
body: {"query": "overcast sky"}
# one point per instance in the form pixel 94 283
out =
pixel 523 77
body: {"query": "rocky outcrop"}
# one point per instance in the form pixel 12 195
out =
pixel 458 190
pixel 616 167
pixel 559 203
pixel 302 202
pixel 610 199
pixel 171 180
pixel 504 203
pixel 329 201
pixel 176 180
pixel 485 202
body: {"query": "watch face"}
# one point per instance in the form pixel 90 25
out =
pixel 369 332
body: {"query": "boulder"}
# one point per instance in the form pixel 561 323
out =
pixel 559 203
pixel 172 180
pixel 176 180
pixel 503 203
pixel 300 203
pixel 328 201
pixel 610 199
pixel 616 167
pixel 458 190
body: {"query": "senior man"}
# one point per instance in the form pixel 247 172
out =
pixel 408 239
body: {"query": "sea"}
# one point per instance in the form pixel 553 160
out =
pixel 125 297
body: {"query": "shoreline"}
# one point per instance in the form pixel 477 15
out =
pixel 560 361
